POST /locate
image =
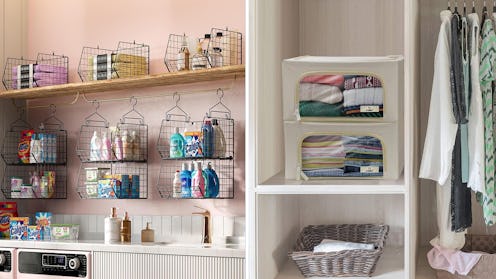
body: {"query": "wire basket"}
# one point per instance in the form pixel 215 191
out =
pixel 46 70
pixel 133 133
pixel 347 263
pixel 225 47
pixel 99 180
pixel 175 57
pixel 129 60
pixel 35 160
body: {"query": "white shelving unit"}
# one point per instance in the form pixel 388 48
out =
pixel 278 208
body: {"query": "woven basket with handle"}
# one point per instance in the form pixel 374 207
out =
pixel 346 263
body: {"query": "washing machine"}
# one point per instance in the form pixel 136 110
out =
pixel 7 263
pixel 52 264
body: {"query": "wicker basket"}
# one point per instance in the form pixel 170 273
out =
pixel 343 263
pixel 485 267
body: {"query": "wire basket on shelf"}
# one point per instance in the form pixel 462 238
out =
pixel 94 141
pixel 46 70
pixel 35 160
pixel 99 180
pixel 225 47
pixel 129 60
pixel 346 263
pixel 178 54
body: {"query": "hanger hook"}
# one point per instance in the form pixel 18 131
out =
pixel 53 109
pixel 176 97
pixel 133 101
pixel 220 94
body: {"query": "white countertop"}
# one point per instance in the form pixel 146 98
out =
pixel 208 250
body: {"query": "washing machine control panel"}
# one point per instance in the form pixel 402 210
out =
pixel 64 264
pixel 5 261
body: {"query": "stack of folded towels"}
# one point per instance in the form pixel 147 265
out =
pixel 37 75
pixel 340 95
pixel 330 156
pixel 116 65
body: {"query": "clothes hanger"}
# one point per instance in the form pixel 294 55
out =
pixel 473 6
pixel 52 120
pixel 96 117
pixel 169 116
pixel 20 124
pixel 449 6
pixel 129 115
pixel 223 108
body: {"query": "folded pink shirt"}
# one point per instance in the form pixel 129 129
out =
pixel 336 80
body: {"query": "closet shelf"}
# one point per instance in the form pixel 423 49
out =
pixel 390 266
pixel 163 79
pixel 280 185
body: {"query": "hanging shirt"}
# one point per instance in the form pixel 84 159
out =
pixel 487 68
pixel 475 116
pixel 440 137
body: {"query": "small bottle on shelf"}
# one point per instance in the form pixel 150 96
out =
pixel 125 229
pixel 198 182
pixel 118 146
pixel 95 147
pixel 177 144
pixel 106 147
pixel 177 185
pixel 199 61
pixel 220 140
pixel 185 177
pixel 208 139
pixel 127 147
pixel 137 153
pixel 211 182
pixel 183 56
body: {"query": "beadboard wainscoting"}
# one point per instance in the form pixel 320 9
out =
pixel 167 228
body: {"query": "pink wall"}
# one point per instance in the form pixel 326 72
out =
pixel 64 27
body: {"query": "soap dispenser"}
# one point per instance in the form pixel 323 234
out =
pixel 148 234
pixel 112 227
pixel 126 229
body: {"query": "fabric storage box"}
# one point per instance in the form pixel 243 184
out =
pixel 335 88
pixel 345 263
pixel 316 150
pixel 486 266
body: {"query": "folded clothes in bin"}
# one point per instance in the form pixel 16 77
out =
pixel 332 245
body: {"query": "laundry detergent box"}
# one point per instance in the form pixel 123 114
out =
pixel 7 211
pixel 19 228
pixel 34 233
pixel 44 222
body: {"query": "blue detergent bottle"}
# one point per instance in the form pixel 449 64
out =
pixel 185 177
pixel 208 139
pixel 177 143
pixel 211 182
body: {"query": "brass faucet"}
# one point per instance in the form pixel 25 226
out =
pixel 207 237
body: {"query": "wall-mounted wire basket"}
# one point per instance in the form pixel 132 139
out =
pixel 46 70
pixel 183 143
pixel 35 160
pixel 113 180
pixel 128 60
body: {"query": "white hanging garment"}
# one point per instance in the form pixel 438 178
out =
pixel 440 137
pixel 475 117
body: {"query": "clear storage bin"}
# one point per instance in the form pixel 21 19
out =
pixel 332 150
pixel 343 88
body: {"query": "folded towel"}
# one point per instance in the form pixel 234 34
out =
pixel 42 75
pixel 38 83
pixel 50 69
pixel 129 67
pixel 324 172
pixel 331 245
pixel 336 80
pixel 362 82
pixel 363 174
pixel 319 109
pixel 363 96
pixel 320 92
pixel 128 58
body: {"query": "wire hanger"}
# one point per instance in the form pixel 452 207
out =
pixel 464 8
pixel 96 117
pixel 494 6
pixel 52 120
pixel 169 116
pixel 449 5
pixel 223 109
pixel 20 124
pixel 456 7
pixel 473 6
pixel 484 13
pixel 137 116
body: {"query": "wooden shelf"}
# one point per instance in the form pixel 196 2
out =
pixel 279 185
pixel 390 266
pixel 163 79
